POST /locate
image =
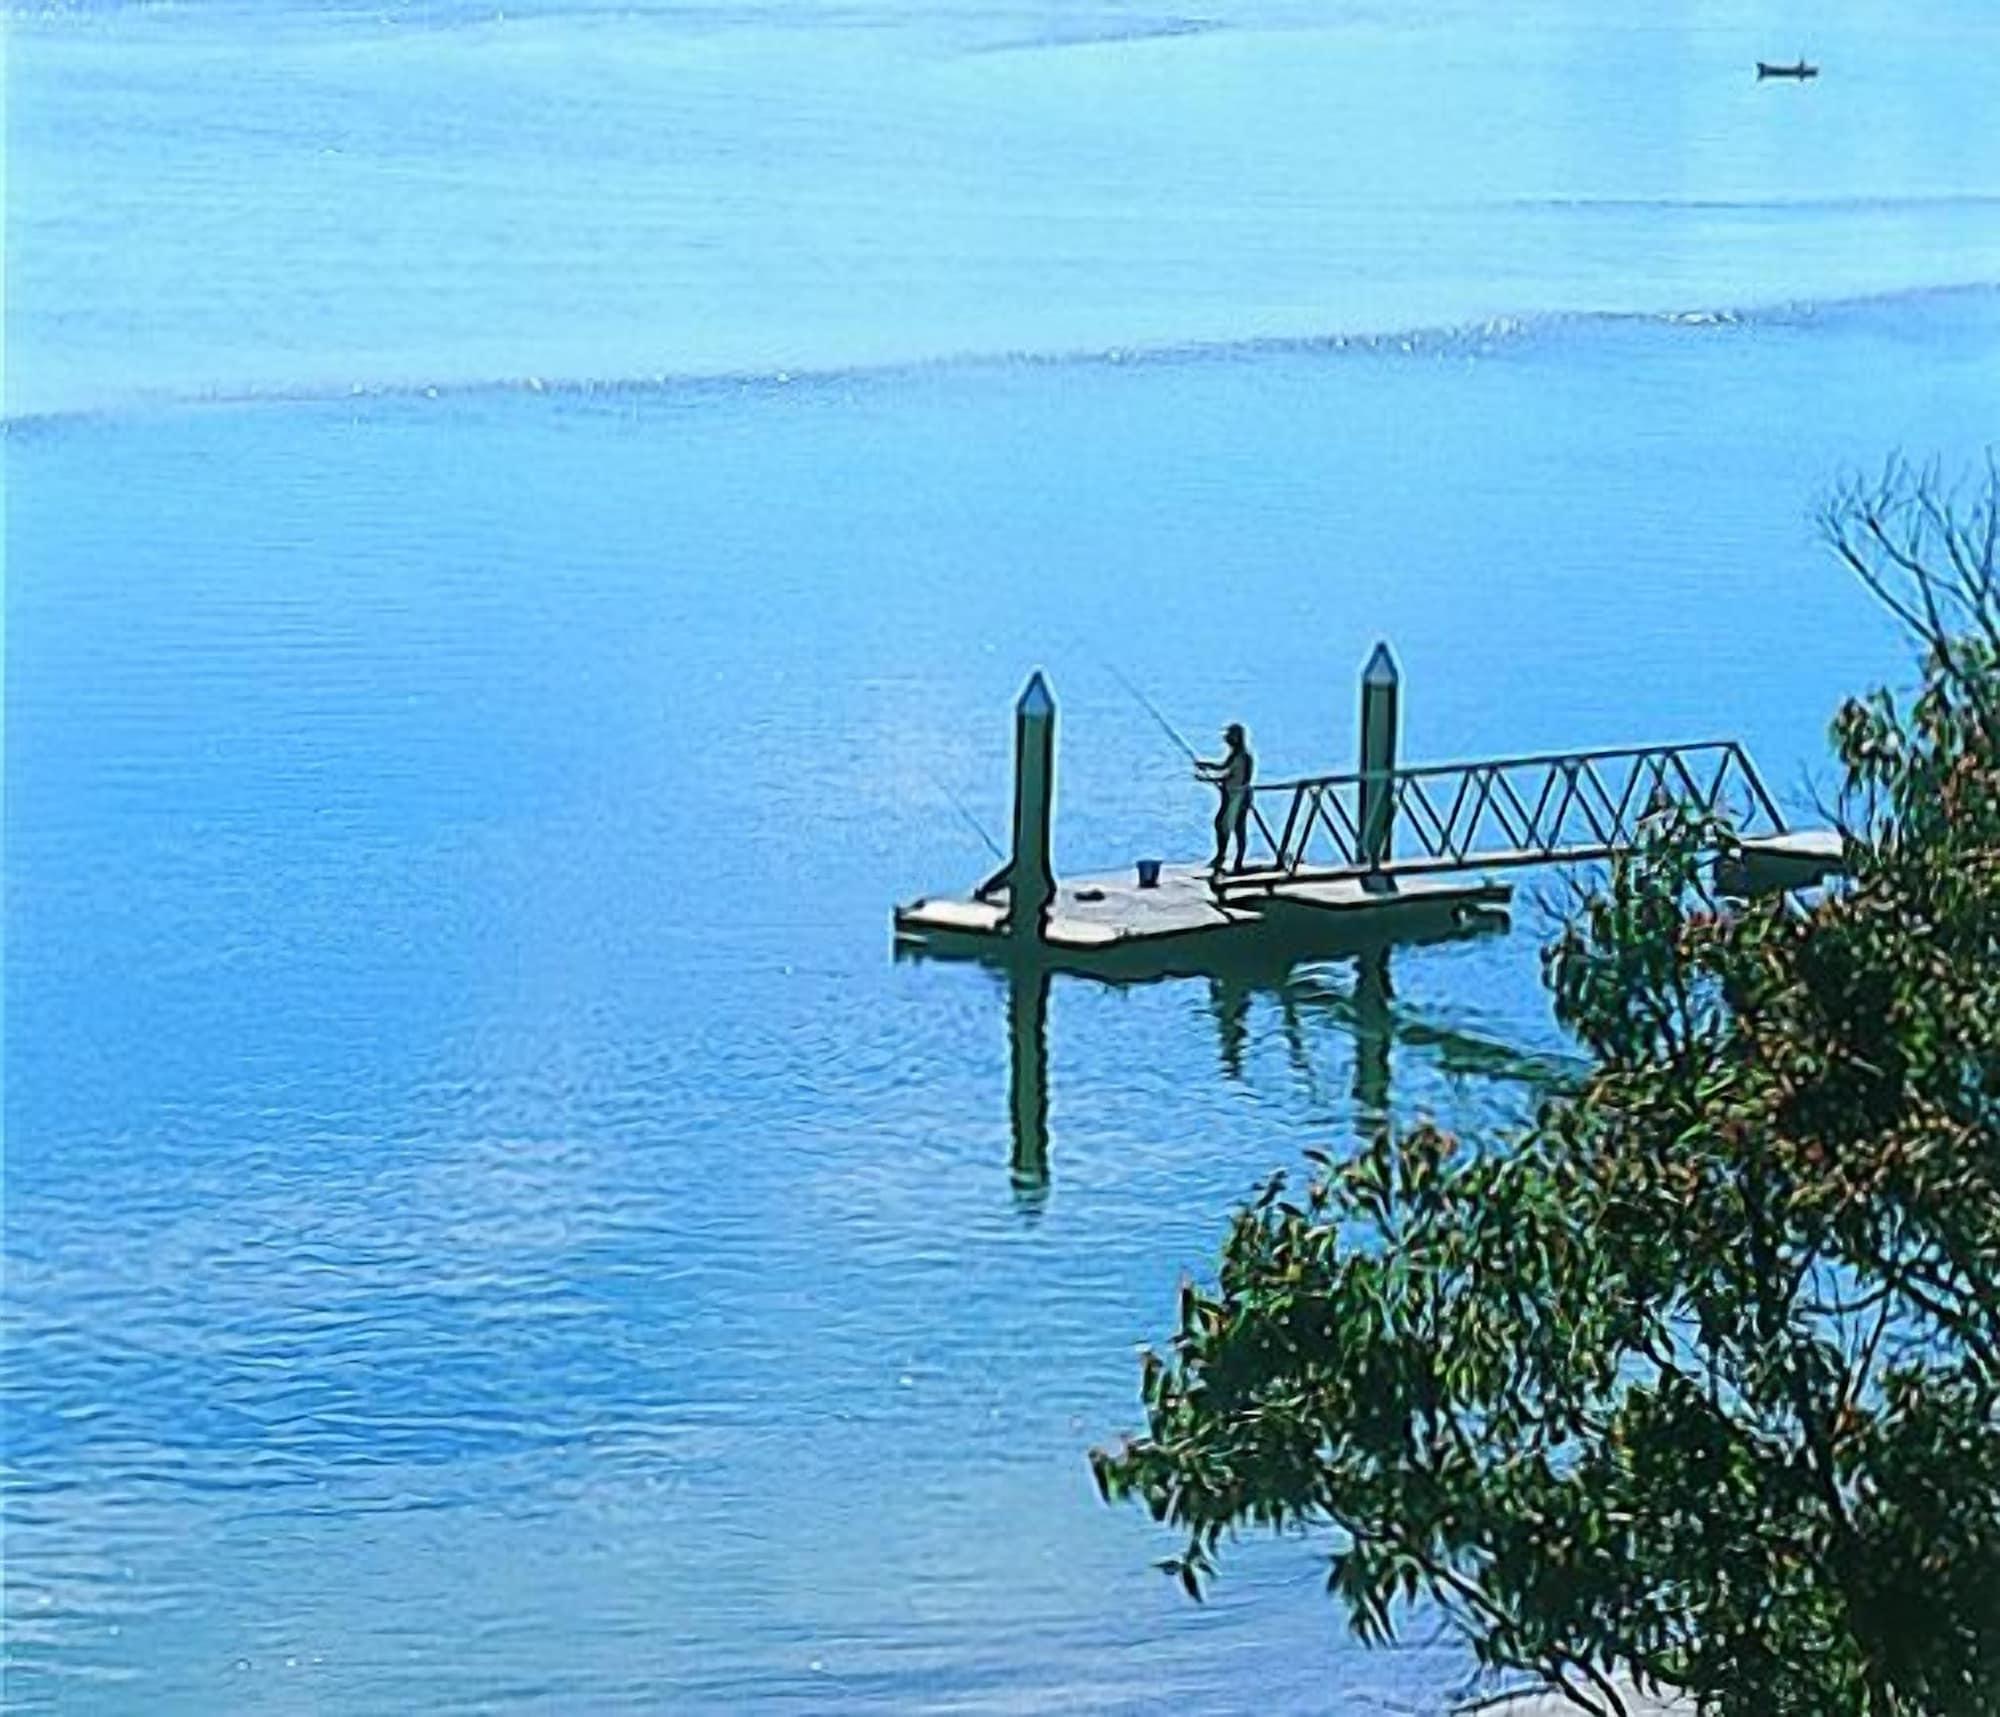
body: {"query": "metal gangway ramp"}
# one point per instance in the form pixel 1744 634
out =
pixel 1552 808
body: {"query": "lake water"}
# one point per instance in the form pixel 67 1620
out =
pixel 522 533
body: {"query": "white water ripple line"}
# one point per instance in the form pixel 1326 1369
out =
pixel 1456 340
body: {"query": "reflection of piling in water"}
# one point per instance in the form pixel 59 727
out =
pixel 1366 1012
pixel 1372 1028
pixel 1028 1080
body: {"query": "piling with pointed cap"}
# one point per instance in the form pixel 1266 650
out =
pixel 1031 877
pixel 1381 686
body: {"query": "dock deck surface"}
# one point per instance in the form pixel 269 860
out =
pixel 1110 914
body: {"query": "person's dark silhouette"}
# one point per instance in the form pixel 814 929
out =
pixel 1232 777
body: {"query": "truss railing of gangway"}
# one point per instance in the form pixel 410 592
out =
pixel 1555 808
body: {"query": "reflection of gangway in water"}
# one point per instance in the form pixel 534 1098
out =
pixel 1357 862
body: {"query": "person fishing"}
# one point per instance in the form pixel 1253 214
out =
pixel 1232 777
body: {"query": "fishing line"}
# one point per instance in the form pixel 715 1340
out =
pixel 971 822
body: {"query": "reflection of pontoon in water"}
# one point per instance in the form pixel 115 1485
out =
pixel 1364 1007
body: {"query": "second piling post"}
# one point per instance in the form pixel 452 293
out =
pixel 1031 878
pixel 1381 686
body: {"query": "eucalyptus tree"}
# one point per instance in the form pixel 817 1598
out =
pixel 1695 1384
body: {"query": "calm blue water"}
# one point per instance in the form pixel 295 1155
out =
pixel 489 1226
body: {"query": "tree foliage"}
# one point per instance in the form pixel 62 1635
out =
pixel 1697 1383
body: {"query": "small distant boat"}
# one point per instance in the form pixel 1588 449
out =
pixel 1800 72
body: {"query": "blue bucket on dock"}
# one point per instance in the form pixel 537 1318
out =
pixel 1149 873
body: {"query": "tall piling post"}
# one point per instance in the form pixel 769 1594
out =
pixel 1381 697
pixel 1031 877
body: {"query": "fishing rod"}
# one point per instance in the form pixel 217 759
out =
pixel 1180 739
pixel 1153 710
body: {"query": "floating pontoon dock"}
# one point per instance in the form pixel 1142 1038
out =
pixel 1380 855
pixel 1342 865
pixel 1184 925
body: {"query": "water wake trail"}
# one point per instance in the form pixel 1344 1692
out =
pixel 1460 340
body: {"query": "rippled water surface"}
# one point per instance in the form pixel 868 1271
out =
pixel 489 1226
